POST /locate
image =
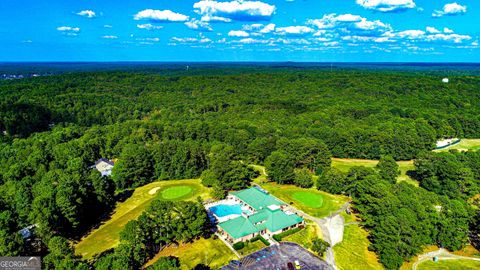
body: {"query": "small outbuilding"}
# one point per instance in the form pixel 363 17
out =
pixel 104 166
pixel 445 80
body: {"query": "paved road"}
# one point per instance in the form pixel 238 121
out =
pixel 442 254
pixel 277 257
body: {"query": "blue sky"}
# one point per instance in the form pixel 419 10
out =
pixel 236 30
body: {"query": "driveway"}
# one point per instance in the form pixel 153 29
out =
pixel 277 256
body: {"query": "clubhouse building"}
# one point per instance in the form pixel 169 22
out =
pixel 255 212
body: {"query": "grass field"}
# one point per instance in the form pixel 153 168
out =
pixel 344 165
pixel 312 201
pixel 251 247
pixel 211 252
pixel 305 236
pixel 463 145
pixel 453 264
pixel 107 235
pixel 467 251
pixel 353 251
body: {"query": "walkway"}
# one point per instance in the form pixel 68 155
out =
pixel 441 254
pixel 332 228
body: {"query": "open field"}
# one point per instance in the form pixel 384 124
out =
pixel 107 235
pixel 305 236
pixel 353 250
pixel 453 264
pixel 251 247
pixel 316 203
pixel 463 145
pixel 312 201
pixel 344 164
pixel 467 251
pixel 211 252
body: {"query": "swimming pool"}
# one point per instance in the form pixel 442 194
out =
pixel 223 210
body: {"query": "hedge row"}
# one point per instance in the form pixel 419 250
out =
pixel 278 237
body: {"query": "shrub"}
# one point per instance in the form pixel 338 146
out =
pixel 239 245
pixel 278 237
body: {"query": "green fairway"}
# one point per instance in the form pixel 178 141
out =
pixel 450 264
pixel 176 192
pixel 463 145
pixel 308 198
pixel 353 250
pixel 107 235
pixel 211 252
pixel 345 164
pixel 305 236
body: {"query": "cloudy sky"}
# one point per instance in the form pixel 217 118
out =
pixel 240 30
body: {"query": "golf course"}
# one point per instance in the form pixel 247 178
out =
pixel 463 145
pixel 107 235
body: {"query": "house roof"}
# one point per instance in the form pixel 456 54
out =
pixel 270 218
pixel 256 198
pixel 238 227
pixel 104 160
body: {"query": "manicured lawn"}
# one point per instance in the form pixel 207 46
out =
pixel 251 247
pixel 211 252
pixel 107 235
pixel 463 145
pixel 305 236
pixel 344 164
pixel 353 251
pixel 309 198
pixel 312 201
pixel 451 264
pixel 176 192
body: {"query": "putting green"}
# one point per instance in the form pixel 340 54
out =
pixel 176 192
pixel 308 199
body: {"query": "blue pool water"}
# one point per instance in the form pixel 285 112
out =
pixel 223 210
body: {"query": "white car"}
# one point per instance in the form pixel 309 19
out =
pixel 297 264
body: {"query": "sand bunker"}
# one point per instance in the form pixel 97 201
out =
pixel 153 190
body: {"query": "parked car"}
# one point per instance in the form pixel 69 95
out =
pixel 290 266
pixel 297 264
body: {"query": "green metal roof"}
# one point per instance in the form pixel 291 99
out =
pixel 256 198
pixel 273 220
pixel 238 227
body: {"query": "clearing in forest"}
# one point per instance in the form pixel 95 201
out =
pixel 345 164
pixel 107 235
pixel 463 145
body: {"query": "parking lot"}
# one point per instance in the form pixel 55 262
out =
pixel 277 257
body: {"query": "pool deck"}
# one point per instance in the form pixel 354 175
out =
pixel 224 202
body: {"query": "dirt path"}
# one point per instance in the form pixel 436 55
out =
pixel 441 254
pixel 332 228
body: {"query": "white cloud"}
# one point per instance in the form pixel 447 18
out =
pixel 268 28
pixel 107 26
pixel 109 37
pixel 239 33
pixel 68 29
pixel 191 40
pixel 198 25
pixel 450 10
pixel 160 15
pixel 455 38
pixel 447 30
pixel 87 13
pixel 387 5
pixel 235 10
pixel 208 18
pixel 350 23
pixel 258 28
pixel 432 30
pixel 149 26
pixel 410 34
pixel 155 39
pixel 294 30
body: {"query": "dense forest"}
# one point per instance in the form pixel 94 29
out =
pixel 212 126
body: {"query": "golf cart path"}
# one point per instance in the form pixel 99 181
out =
pixel 442 254
pixel 327 230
